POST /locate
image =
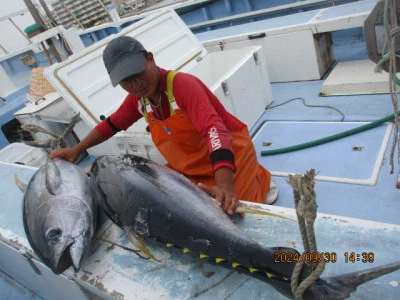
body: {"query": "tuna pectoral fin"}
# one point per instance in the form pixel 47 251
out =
pixel 53 177
pixel 22 186
pixel 251 208
pixel 138 242
pixel 101 199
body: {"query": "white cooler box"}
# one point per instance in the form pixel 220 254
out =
pixel 239 78
pixel 293 48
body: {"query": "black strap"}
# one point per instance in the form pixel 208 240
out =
pixel 222 155
pixel 112 125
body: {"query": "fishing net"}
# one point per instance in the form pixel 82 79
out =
pixel 39 86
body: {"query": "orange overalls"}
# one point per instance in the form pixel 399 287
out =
pixel 186 152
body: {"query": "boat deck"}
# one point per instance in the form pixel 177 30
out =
pixel 352 217
pixel 358 209
pixel 111 272
pixel 380 202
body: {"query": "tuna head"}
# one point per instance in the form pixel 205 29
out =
pixel 59 215
pixel 65 233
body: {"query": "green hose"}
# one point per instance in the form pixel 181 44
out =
pixel 329 138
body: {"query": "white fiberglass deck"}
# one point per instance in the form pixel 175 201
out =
pixel 351 218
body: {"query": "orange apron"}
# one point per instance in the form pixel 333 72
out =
pixel 186 152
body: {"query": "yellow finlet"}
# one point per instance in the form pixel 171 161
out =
pixel 235 264
pixel 285 278
pixel 186 250
pixel 170 245
pixel 252 270
pixel 270 275
pixel 218 260
pixel 203 255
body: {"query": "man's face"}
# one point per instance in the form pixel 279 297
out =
pixel 144 84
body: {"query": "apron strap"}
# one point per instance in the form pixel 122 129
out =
pixel 144 102
pixel 170 94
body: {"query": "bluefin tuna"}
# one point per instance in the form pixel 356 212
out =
pixel 59 214
pixel 149 200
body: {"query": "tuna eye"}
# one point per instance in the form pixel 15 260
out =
pixel 53 233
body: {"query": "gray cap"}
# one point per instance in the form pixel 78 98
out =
pixel 123 57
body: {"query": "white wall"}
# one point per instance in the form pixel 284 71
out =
pixel 6 85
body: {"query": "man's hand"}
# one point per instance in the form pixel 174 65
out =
pixel 223 190
pixel 226 198
pixel 69 154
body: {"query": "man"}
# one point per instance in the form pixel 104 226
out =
pixel 188 125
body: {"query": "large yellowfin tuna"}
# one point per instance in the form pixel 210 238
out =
pixel 59 214
pixel 150 200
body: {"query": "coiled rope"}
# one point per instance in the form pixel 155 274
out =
pixel 389 55
pixel 306 210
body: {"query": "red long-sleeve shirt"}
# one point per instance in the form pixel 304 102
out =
pixel 193 97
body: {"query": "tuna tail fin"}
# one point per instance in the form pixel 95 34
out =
pixel 340 287
pixel 138 242
pixel 22 186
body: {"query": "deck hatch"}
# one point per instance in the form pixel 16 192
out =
pixel 343 160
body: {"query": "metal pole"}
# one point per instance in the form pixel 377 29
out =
pixel 48 12
pixel 54 23
pixel 2 48
pixel 42 27
pixel 38 20
pixel 19 29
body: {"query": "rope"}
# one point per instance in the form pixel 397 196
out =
pixel 298 290
pixel 58 141
pixel 389 56
pixel 306 210
pixel 309 105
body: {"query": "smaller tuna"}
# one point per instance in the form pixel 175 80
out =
pixel 59 214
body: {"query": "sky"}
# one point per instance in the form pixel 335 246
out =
pixel 11 39
pixel 8 7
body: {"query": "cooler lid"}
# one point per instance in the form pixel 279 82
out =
pixel 82 79
pixel 33 107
